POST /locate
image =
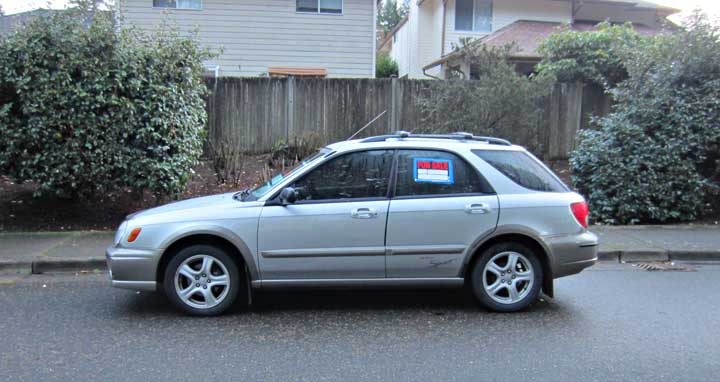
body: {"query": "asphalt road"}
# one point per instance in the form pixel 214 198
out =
pixel 612 322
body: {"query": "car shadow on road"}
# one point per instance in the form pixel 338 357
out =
pixel 438 302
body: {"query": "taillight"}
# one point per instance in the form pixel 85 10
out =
pixel 581 211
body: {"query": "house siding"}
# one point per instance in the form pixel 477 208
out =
pixel 257 34
pixel 400 50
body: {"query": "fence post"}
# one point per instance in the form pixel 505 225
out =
pixel 290 126
pixel 394 106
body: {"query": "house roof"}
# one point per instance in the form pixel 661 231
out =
pixel 528 35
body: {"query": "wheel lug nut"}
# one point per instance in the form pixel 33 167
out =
pixel 502 280
pixel 197 285
pixel 208 280
pixel 197 277
pixel 204 286
pixel 204 275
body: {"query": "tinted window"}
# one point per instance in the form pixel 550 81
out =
pixel 522 169
pixel 422 172
pixel 362 174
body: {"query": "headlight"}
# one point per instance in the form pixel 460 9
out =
pixel 120 233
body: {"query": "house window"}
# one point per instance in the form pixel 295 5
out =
pixel 178 4
pixel 473 15
pixel 319 6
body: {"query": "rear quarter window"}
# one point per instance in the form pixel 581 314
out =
pixel 523 169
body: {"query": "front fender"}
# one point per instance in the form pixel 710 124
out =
pixel 220 231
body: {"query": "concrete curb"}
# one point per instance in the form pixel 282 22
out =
pixel 66 264
pixel 12 267
pixel 644 255
pixel 51 264
pixel 77 264
pixel 692 255
pixel 613 256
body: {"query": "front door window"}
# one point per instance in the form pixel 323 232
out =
pixel 358 175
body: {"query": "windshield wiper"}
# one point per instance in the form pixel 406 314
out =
pixel 241 195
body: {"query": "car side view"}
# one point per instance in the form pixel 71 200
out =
pixel 399 210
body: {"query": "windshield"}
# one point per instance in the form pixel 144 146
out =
pixel 260 191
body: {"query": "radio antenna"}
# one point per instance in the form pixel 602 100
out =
pixel 366 126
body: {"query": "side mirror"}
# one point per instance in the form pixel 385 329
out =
pixel 288 196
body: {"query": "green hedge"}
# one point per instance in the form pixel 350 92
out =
pixel 87 109
pixel 656 157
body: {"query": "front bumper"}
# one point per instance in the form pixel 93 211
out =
pixel 572 253
pixel 133 268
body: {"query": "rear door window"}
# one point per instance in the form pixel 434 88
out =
pixel 426 173
pixel 522 169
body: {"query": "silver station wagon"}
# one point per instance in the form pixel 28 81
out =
pixel 400 210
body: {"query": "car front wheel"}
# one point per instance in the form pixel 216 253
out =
pixel 202 280
pixel 507 277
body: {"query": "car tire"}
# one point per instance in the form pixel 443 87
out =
pixel 493 277
pixel 203 280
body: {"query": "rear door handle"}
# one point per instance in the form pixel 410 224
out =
pixel 477 208
pixel 363 213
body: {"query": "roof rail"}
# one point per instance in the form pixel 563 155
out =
pixel 460 136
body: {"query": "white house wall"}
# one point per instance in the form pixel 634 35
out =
pixel 430 34
pixel 400 51
pixel 257 34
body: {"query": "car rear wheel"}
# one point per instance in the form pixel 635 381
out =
pixel 507 277
pixel 202 280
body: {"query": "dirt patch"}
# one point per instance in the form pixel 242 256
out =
pixel 20 211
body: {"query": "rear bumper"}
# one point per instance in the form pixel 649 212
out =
pixel 572 253
pixel 132 268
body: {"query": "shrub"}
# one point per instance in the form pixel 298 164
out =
pixel 498 101
pixel 284 154
pixel 656 157
pixel 385 67
pixel 228 160
pixel 589 56
pixel 87 109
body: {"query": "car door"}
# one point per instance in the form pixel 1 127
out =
pixel 336 228
pixel 441 206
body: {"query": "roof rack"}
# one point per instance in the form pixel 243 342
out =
pixel 460 136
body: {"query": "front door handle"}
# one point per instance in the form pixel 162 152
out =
pixel 477 208
pixel 363 213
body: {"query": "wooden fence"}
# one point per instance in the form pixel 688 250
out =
pixel 259 112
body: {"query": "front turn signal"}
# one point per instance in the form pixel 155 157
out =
pixel 134 234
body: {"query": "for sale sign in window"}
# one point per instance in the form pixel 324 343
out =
pixel 429 170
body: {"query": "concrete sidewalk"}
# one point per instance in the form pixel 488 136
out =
pixel 25 253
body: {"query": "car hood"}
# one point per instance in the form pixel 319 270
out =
pixel 190 204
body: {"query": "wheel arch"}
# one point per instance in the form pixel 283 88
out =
pixel 235 248
pixel 526 239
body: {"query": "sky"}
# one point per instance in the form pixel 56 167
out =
pixel 712 7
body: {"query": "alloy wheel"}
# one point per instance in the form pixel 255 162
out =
pixel 508 277
pixel 202 281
